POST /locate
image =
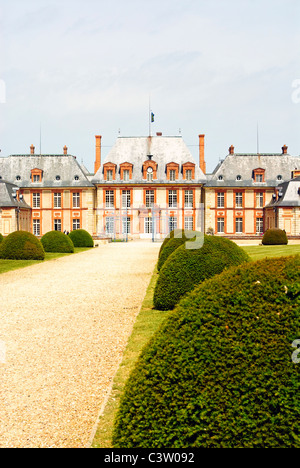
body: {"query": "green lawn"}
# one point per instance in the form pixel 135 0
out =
pixel 258 252
pixel 9 265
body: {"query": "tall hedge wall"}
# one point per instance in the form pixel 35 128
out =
pixel 185 268
pixel 219 373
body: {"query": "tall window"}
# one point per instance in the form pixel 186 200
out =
pixel 76 224
pixel 188 223
pixel 149 198
pixel 239 200
pixel 148 225
pixel 109 199
pixel 109 225
pixel 57 200
pixel 259 225
pixel 149 174
pixel 188 174
pixel 126 226
pixel 188 199
pixel 221 200
pixel 126 199
pixel 36 200
pixel 109 175
pixel 259 200
pixel 172 223
pixel 172 175
pixel 221 225
pixel 57 225
pixel 36 227
pixel 76 200
pixel 126 175
pixel 239 225
pixel 172 198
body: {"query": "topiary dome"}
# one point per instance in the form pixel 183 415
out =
pixel 219 373
pixel 186 268
pixel 56 241
pixel 21 245
pixel 81 238
pixel 275 237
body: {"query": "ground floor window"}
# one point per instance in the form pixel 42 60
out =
pixel 259 225
pixel 109 225
pixel 172 223
pixel 188 223
pixel 126 226
pixel 76 224
pixel 239 225
pixel 37 227
pixel 148 225
pixel 221 225
pixel 57 225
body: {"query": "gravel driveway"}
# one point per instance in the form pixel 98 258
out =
pixel 65 325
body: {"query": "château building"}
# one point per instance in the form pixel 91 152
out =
pixel 147 186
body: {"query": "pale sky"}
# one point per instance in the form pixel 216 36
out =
pixel 85 67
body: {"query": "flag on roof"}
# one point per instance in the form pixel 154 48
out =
pixel 152 117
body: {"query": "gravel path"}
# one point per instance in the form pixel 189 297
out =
pixel 65 325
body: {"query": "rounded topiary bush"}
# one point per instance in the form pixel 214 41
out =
pixel 81 238
pixel 219 373
pixel 275 237
pixel 1 238
pixel 176 241
pixel 22 245
pixel 186 268
pixel 56 241
pixel 177 233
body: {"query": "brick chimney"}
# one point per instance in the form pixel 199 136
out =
pixel 284 149
pixel 98 153
pixel 202 162
pixel 65 150
pixel 32 148
pixel 231 149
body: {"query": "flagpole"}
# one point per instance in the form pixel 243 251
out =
pixel 149 115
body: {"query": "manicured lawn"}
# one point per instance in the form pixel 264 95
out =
pixel 9 265
pixel 258 252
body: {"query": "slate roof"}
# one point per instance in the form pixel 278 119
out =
pixel 7 199
pixel 278 168
pixel 17 168
pixel 135 150
pixel 288 194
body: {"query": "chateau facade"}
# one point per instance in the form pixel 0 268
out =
pixel 148 186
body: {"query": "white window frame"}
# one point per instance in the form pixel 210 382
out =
pixel 188 223
pixel 57 225
pixel 150 198
pixel 188 198
pixel 239 225
pixel 57 199
pixel 36 200
pixel 109 198
pixel 36 226
pixel 126 198
pixel 172 198
pixel 76 224
pixel 221 200
pixel 76 199
pixel 239 199
pixel 221 225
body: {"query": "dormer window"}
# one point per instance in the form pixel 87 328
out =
pixel 149 170
pixel 259 175
pixel 172 171
pixel 126 171
pixel 36 175
pixel 109 171
pixel 188 171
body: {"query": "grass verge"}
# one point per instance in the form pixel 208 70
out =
pixel 10 265
pixel 259 252
pixel 147 323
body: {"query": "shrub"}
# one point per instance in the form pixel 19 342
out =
pixel 275 237
pixel 81 238
pixel 1 238
pixel 176 241
pixel 56 241
pixel 22 245
pixel 177 233
pixel 219 372
pixel 184 269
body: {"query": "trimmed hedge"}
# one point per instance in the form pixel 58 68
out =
pixel 81 238
pixel 1 238
pixel 172 244
pixel 22 245
pixel 177 233
pixel 184 269
pixel 219 372
pixel 275 237
pixel 56 241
